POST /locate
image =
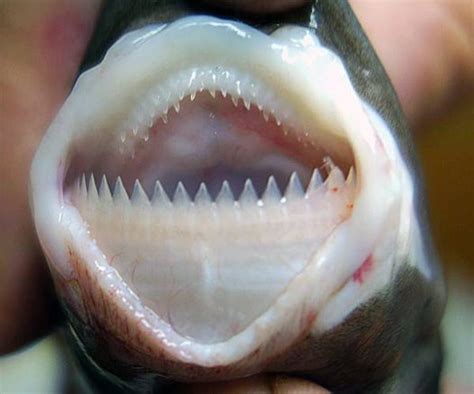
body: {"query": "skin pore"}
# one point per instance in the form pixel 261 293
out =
pixel 426 48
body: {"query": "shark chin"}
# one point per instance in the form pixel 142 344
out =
pixel 213 200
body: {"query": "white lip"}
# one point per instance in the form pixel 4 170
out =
pixel 311 77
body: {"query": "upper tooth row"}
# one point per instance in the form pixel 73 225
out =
pixel 294 190
pixel 160 100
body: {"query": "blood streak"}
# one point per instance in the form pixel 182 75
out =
pixel 361 273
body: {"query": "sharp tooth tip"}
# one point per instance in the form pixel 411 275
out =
pixel 248 195
pixel 315 182
pixel 225 195
pixel 272 192
pixel 202 196
pixel 294 187
pixel 159 195
pixel 181 195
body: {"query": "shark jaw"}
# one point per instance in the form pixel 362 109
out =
pixel 210 190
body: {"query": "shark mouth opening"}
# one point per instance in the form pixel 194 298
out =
pixel 221 188
pixel 210 204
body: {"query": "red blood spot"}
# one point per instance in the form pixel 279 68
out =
pixel 335 189
pixel 363 270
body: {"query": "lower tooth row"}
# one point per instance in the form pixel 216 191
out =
pixel 294 191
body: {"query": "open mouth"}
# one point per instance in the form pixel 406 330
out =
pixel 217 201
pixel 219 181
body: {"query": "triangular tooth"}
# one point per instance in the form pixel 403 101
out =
pixel 104 191
pixel 224 93
pixel 351 177
pixel 249 196
pixel 335 180
pixel 294 188
pixel 181 196
pixel 212 92
pixel 120 194
pixel 92 193
pixel 164 117
pixel 272 193
pixel 247 104
pixel 239 91
pixel 176 107
pixel 193 96
pixel 315 182
pixel 328 164
pixel 225 196
pixel 160 198
pixel 139 197
pixel 202 197
pixel 235 101
pixel 266 116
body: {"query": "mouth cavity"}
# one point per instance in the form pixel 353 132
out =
pixel 210 198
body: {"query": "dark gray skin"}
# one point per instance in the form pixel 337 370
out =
pixel 389 344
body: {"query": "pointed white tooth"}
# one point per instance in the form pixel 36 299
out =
pixel 160 198
pixel 335 181
pixel 104 192
pixel 120 194
pixel 265 116
pixel 139 197
pixel 260 107
pixel 235 100
pixel 225 196
pixel 123 136
pixel 224 93
pixel 164 117
pixel 239 91
pixel 202 197
pixel 315 182
pixel 272 192
pixel 351 178
pixel 328 164
pixel 247 104
pixel 249 196
pixel 181 196
pixel 193 96
pixel 176 107
pixel 212 92
pixel 278 122
pixel 92 193
pixel 294 188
